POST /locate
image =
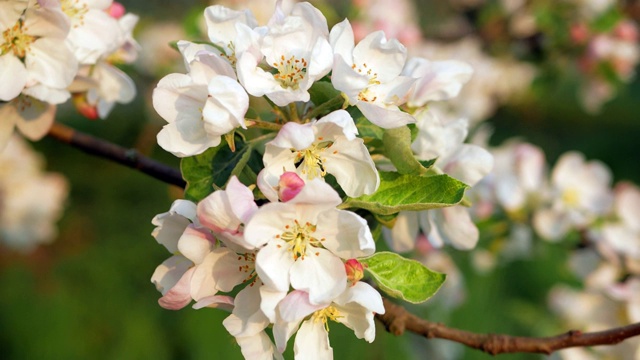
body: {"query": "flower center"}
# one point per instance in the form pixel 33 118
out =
pixel 328 313
pixel 311 159
pixel 16 41
pixel 299 237
pixel 74 11
pixel 247 265
pixel 367 94
pixel 571 197
pixel 230 53
pixel 290 71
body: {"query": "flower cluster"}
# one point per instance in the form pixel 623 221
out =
pixel 53 49
pixel 31 201
pixel 286 252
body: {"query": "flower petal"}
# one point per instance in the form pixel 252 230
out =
pixel 321 274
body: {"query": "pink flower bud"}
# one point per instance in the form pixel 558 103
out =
pixel 627 31
pixel 116 10
pixel 289 186
pixel 84 108
pixel 579 33
pixel 355 271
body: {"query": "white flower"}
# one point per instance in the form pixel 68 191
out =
pixel 296 53
pixel 34 57
pixel 230 30
pixel 31 201
pixel 328 145
pixel 623 235
pixel 355 308
pixel 305 240
pixel 435 80
pixel 200 107
pixel 32 117
pixel 580 192
pixel 369 74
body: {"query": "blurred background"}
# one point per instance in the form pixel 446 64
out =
pixel 88 294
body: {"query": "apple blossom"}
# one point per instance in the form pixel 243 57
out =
pixel 369 74
pixel 312 150
pixel 200 106
pixel 295 50
pixel 303 241
pixel 355 308
pixel 435 80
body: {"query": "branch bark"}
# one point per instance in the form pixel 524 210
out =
pixel 397 320
pixel 127 157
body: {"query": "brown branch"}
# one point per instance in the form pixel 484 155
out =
pixel 128 157
pixel 397 319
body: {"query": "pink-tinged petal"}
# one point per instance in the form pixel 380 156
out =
pixel 179 295
pixel 189 51
pixel 386 118
pixel 296 306
pixel 456 227
pixel 170 272
pixel 171 225
pixel 273 264
pixel 195 244
pixel 269 222
pixel 342 40
pixel 170 139
pixel 346 234
pixel 218 271
pixel 550 224
pixel 386 57
pixel 312 342
pixel 289 185
pixel 402 237
pixel 269 300
pixel 221 302
pixel 257 347
pixel 51 63
pixel 247 318
pixel 352 166
pixel 35 120
pixel 294 136
pixel 215 212
pixel 321 274
pixel 276 160
pixel 241 199
pixel 469 164
pixel 13 77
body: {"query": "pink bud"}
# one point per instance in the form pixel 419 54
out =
pixel 579 33
pixel 289 186
pixel 627 31
pixel 116 10
pixel 84 108
pixel 355 271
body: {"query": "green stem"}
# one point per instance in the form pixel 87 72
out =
pixel 264 124
pixel 293 113
pixel 321 109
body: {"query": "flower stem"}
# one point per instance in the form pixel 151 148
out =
pixel 324 108
pixel 263 124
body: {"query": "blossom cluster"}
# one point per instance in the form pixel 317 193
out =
pixel 286 252
pixel 54 50
pixel 31 201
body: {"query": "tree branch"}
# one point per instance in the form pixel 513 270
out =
pixel 128 157
pixel 397 319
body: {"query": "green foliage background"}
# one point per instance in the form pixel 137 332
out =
pixel 88 295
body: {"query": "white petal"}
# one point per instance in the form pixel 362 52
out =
pixel 171 225
pixel 347 234
pixel 175 94
pixel 178 296
pixel 50 62
pixel 352 166
pixel 550 224
pixel 294 136
pixel 387 118
pixel 247 318
pixel 386 57
pixel 312 342
pixel 13 77
pixel 342 40
pixel 456 227
pixel 207 65
pixel 269 300
pixel 47 94
pixel 226 106
pixel 195 244
pixel 7 114
pixel 258 347
pixel 170 139
pixel 469 164
pixel 273 264
pixel 268 223
pixel 169 272
pixel 34 121
pixel 321 274
pixel 402 237
pixel 437 80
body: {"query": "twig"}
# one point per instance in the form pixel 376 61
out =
pixel 128 157
pixel 397 319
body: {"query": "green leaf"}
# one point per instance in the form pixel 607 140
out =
pixel 409 193
pixel 403 278
pixel 397 147
pixel 427 164
pixel 212 169
pixel 323 91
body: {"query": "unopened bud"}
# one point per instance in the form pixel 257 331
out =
pixel 289 186
pixel 116 10
pixel 84 108
pixel 355 271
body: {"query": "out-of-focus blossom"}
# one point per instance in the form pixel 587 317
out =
pixel 623 234
pixel 31 201
pixel 580 192
pixel 396 18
